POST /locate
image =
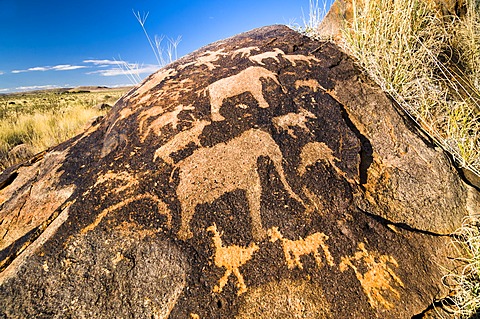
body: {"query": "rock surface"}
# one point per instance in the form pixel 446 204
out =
pixel 262 176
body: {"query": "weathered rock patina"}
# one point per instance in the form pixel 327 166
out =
pixel 262 176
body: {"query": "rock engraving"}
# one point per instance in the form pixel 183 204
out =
pixel 161 121
pixel 247 80
pixel 231 258
pixel 244 52
pixel 293 58
pixel 310 83
pixel 162 209
pixel 201 174
pixel 207 59
pixel 314 152
pixel 294 249
pixel 285 122
pixel 180 141
pixel 266 55
pixel 379 277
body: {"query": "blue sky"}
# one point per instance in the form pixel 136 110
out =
pixel 53 43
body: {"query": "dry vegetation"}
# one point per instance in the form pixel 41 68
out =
pixel 429 62
pixel 32 122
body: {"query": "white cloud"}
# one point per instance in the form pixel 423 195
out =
pixel 38 68
pixel 60 67
pixel 67 67
pixel 36 87
pixel 103 62
pixel 4 90
pixel 2 72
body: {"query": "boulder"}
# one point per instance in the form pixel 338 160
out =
pixel 262 176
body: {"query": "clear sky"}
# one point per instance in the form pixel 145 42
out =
pixel 53 43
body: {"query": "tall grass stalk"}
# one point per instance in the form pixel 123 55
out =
pixel 162 55
pixel 309 26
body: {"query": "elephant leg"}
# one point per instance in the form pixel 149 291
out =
pixel 215 110
pixel 254 194
pixel 184 232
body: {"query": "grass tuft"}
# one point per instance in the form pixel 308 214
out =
pixel 465 302
pixel 309 26
pixel 429 63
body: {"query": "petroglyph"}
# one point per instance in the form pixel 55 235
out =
pixel 298 57
pixel 267 55
pixel 294 249
pixel 180 141
pixel 211 172
pixel 162 209
pixel 247 80
pixel 161 121
pixel 231 258
pixel 292 58
pixel 285 122
pixel 244 52
pixel 207 59
pixel 310 83
pixel 377 281
pixel 130 182
pixel 314 152
pixel 153 81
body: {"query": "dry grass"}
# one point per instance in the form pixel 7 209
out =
pixel 465 281
pixel 429 63
pixel 33 122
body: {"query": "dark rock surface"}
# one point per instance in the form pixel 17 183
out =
pixel 262 176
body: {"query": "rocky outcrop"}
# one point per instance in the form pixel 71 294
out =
pixel 263 176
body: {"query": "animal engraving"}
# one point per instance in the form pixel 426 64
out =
pixel 207 59
pixel 285 122
pixel 180 141
pixel 130 181
pixel 244 52
pixel 294 249
pixel 161 121
pixel 292 58
pixel 247 80
pixel 379 277
pixel 231 258
pixel 153 81
pixel 211 172
pixel 310 83
pixel 298 57
pixel 267 55
pixel 162 209
pixel 314 152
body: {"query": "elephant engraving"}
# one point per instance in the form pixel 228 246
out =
pixel 213 171
pixel 247 80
